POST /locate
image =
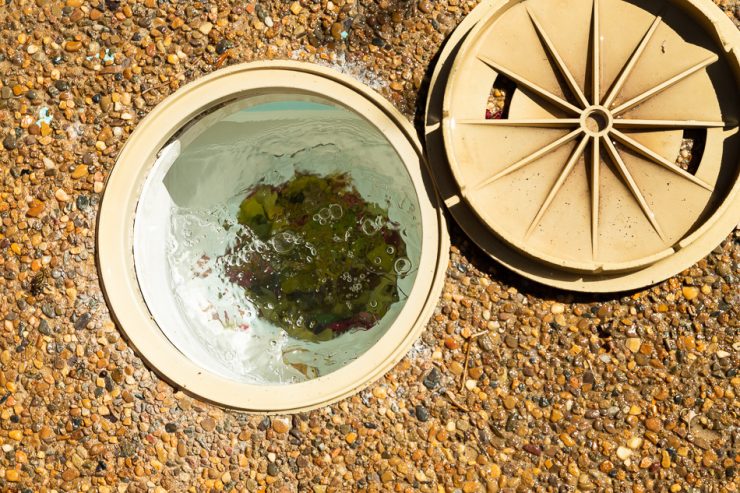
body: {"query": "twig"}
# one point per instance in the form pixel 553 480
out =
pixel 465 367
pixel 454 402
pixel 467 357
pixel 156 87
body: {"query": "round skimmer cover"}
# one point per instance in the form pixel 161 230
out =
pixel 617 146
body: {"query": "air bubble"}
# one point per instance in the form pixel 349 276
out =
pixel 377 260
pixel 390 250
pixel 336 211
pixel 402 265
pixel 371 226
pixel 283 242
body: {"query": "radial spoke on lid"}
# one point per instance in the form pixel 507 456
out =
pixel 634 189
pixel 535 123
pixel 658 159
pixel 665 85
pixel 577 152
pixel 558 60
pixel 596 55
pixel 595 169
pixel 544 93
pixel 666 124
pixel 631 63
pixel 530 158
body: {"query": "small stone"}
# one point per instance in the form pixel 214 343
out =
pixel 273 469
pixel 173 59
pixel 9 142
pixel 73 46
pixel 532 449
pixel 634 443
pixel 83 321
pixel 422 414
pixel 208 424
pixel 633 344
pixel 557 308
pixel 431 380
pixel 511 341
pixel 44 327
pixel 567 440
pixel 380 392
pixel 351 437
pixel 470 486
pixel 665 460
pixel 556 415
pixel 80 171
pixel 509 402
pixel 223 46
pixel 36 209
pixel 690 292
pixel 82 202
pixel 16 435
pixel 623 453
pixel 12 475
pixel 70 474
pixel 709 458
pixel 296 8
pixel 336 30
pixel 653 424
pixel 426 6
pixel 61 195
pixel 205 28
pixel 280 425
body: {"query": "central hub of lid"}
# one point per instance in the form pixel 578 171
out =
pixel 596 121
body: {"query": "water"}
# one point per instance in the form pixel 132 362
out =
pixel 218 325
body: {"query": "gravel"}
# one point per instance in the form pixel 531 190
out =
pixel 607 393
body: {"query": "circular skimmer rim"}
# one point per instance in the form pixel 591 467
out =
pixel 688 251
pixel 115 236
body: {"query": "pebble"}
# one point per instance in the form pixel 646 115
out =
pixel 80 411
pixel 509 402
pixel 80 171
pixel 633 344
pixel 624 453
pixel 73 46
pixel 208 424
pixel 422 413
pixel 431 380
pixel 653 424
pixel 61 195
pixel 690 292
pixel 280 425
pixel 557 308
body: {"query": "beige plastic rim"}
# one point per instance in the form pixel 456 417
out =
pixel 527 188
pixel 115 236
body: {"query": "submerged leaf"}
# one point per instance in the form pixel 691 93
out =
pixel 325 264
